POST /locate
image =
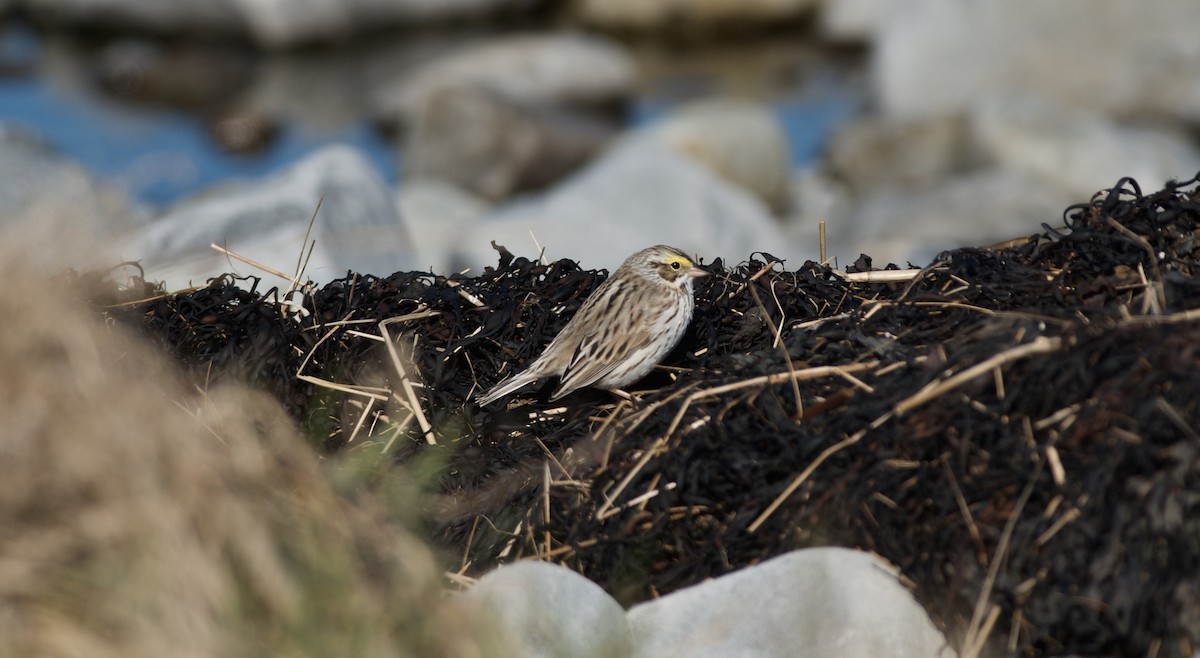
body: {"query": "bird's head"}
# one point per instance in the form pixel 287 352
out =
pixel 667 264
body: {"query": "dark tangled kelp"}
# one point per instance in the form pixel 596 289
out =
pixel 1015 427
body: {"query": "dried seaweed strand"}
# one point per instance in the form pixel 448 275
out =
pixel 977 630
pixel 405 382
pixel 812 467
pixel 935 389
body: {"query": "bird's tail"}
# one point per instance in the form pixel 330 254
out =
pixel 508 386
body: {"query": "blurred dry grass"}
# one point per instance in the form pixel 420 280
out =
pixel 140 518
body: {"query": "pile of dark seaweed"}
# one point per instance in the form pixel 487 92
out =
pixel 1015 427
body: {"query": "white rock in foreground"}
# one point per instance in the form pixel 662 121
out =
pixel 638 194
pixel 358 227
pixel 812 603
pixel 817 603
pixel 540 610
pixel 1119 57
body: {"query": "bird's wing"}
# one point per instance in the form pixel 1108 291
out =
pixel 597 355
pixel 507 386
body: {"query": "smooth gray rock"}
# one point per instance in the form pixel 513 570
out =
pixel 873 151
pixel 1078 150
pixel 565 69
pixel 742 142
pixel 495 147
pixel 48 200
pixel 816 603
pixel 358 227
pixel 817 196
pixel 638 194
pixel 327 92
pixel 436 212
pixel 1118 58
pixel 970 210
pixel 540 610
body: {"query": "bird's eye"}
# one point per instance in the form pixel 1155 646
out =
pixel 675 265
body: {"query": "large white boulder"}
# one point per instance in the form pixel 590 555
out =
pixel 812 603
pixel 1078 150
pixel 436 212
pixel 979 208
pixel 638 194
pixel 740 141
pixel 357 228
pixel 875 151
pixel 1118 57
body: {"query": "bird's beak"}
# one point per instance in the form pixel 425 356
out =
pixel 696 272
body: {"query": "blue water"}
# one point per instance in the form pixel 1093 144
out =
pixel 160 155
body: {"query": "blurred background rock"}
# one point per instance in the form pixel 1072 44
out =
pixel 589 128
